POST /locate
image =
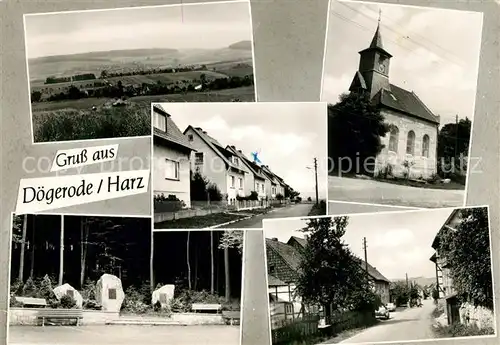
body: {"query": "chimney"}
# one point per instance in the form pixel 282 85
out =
pixel 233 147
pixel 204 132
pixel 274 239
pixel 240 151
pixel 199 129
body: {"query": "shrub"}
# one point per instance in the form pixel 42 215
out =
pixel 91 304
pixel 89 291
pixel 461 330
pixel 29 288
pixel 157 306
pixel 67 302
pixel 168 204
pixel 16 289
pixel 387 171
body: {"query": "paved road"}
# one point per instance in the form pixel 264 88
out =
pixel 299 210
pixel 409 324
pixel 376 192
pixel 125 335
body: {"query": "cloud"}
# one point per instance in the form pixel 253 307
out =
pixel 215 123
pixel 250 132
pixel 333 87
pixel 288 143
pixel 393 238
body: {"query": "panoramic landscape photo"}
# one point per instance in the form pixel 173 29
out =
pixel 94 74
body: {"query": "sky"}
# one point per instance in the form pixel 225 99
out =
pixel 287 135
pixel 397 242
pixel 435 52
pixel 207 26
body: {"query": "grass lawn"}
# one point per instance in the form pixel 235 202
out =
pixel 460 330
pixel 344 335
pixel 255 211
pixel 198 222
pixel 318 209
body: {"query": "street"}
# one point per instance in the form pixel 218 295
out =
pixel 125 335
pixel 407 324
pixel 376 192
pixel 299 210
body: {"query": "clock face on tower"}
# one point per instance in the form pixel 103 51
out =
pixel 381 68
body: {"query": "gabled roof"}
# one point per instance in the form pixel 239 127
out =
pixel 372 271
pixel 405 101
pixel 444 228
pixel 245 161
pixel 215 146
pixel 173 134
pixel 358 82
pixel 273 281
pixel 273 177
pixel 288 253
pixel 256 167
pixel 301 241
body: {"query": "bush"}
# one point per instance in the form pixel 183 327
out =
pixel 137 301
pixel 29 288
pixel 461 330
pixel 67 302
pixel 168 204
pixel 89 291
pixel 91 305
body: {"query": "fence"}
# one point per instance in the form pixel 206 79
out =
pixel 347 320
pixel 296 330
pixel 248 204
pixel 164 211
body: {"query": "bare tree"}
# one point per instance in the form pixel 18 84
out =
pixel 61 253
pixel 23 244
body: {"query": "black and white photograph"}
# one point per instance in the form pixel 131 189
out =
pixel 381 277
pixel 88 280
pixel 230 165
pixel 93 74
pixel 401 89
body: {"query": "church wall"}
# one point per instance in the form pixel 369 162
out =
pixel 424 167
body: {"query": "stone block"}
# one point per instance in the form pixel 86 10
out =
pixel 164 295
pixel 109 293
pixel 67 289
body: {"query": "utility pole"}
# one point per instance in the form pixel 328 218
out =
pixel 316 178
pixel 61 252
pixel 456 136
pixel 408 290
pixel 366 255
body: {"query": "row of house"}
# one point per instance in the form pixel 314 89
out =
pixel 283 269
pixel 178 154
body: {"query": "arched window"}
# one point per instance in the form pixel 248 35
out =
pixel 425 146
pixel 393 139
pixel 410 143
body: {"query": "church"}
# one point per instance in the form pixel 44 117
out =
pixel 413 133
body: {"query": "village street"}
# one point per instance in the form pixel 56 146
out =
pixel 375 192
pixel 125 335
pixel 407 324
pixel 298 210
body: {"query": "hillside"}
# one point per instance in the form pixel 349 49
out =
pixel 421 281
pixel 133 59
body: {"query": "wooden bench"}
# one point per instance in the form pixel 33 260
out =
pixel 202 307
pixel 30 302
pixel 231 317
pixel 65 314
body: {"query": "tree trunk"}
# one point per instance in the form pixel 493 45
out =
pixel 84 236
pixel 187 258
pixel 195 280
pixel 61 253
pixel 23 244
pixel 151 262
pixel 227 275
pixel 212 273
pixel 32 259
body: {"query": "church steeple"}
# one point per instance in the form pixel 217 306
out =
pixel 373 66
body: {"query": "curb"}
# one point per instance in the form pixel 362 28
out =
pixel 227 223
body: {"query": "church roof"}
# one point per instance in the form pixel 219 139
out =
pixel 377 42
pixel 405 101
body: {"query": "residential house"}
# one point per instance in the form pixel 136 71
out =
pixel 277 184
pixel 413 127
pixel 444 281
pixel 255 180
pixel 221 166
pixel 171 153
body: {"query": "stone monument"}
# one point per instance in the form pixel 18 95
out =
pixel 164 295
pixel 67 289
pixel 109 293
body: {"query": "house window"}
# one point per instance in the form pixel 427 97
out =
pixel 425 146
pixel 232 181
pixel 272 269
pixel 394 139
pixel 171 169
pixel 190 137
pixel 160 121
pixel 236 161
pixel 262 188
pixel 198 158
pixel 410 143
pixel 240 180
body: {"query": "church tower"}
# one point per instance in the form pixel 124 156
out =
pixel 373 70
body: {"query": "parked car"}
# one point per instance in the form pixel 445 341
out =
pixel 391 307
pixel 382 313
